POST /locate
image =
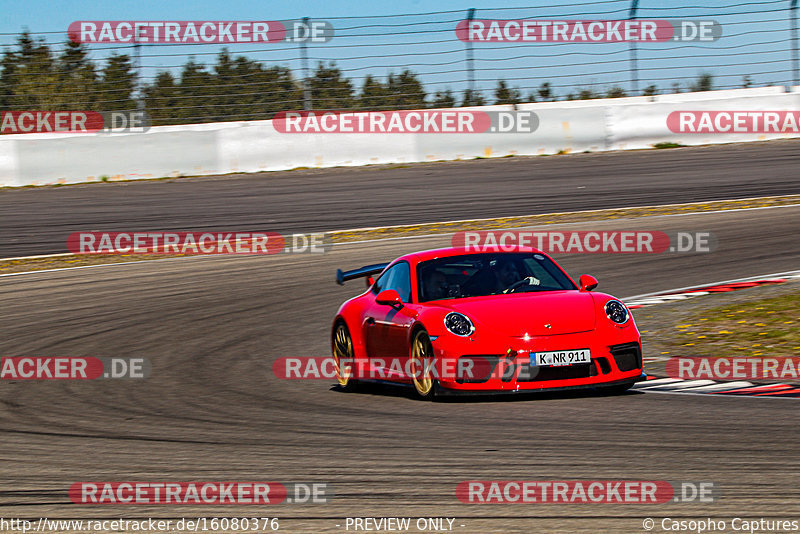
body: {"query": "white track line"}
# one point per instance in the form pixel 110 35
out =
pixel 723 386
pixel 684 384
pixel 655 383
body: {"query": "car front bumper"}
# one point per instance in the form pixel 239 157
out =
pixel 471 365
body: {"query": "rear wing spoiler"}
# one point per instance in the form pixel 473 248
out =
pixel 368 270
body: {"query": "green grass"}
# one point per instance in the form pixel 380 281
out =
pixel 767 327
pixel 667 144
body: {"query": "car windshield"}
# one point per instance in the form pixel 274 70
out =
pixel 475 275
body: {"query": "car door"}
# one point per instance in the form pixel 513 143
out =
pixel 385 327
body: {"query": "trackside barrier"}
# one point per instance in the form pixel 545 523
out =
pixel 253 146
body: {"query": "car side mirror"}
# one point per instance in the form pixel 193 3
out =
pixel 588 282
pixel 389 297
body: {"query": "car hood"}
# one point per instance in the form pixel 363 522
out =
pixel 521 314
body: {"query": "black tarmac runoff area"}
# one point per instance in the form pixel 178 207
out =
pixel 38 221
pixel 212 328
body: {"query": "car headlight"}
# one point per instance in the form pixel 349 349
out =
pixel 617 312
pixel 459 324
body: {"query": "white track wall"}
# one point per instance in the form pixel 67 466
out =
pixel 230 147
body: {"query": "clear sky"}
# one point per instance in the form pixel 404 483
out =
pixel 376 37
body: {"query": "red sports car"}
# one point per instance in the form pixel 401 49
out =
pixel 455 321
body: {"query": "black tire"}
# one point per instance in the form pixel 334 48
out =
pixel 342 348
pixel 424 381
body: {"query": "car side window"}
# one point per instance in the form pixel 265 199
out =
pixel 398 277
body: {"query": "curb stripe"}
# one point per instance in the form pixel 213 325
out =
pixel 734 285
pixel 679 386
pixel 759 389
pixel 713 388
pixel 793 392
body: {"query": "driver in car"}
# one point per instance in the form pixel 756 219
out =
pixel 506 273
pixel 435 285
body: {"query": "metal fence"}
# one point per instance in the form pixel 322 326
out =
pixel 398 61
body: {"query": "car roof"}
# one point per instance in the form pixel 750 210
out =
pixel 433 254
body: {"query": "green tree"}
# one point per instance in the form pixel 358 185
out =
pixel 77 77
pixel 472 99
pixel 226 82
pixel 373 94
pixel 162 99
pixel 704 82
pixel 401 91
pixel 30 78
pixel 330 90
pixel 117 85
pixel 196 90
pixel 243 89
pixel 616 92
pixel 405 91
pixel 443 99
pixel 238 89
pixel 650 90
pixel 8 72
pixel 545 92
pixel 275 90
pixel 506 95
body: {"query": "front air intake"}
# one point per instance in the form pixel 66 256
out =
pixel 628 356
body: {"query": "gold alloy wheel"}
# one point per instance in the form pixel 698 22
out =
pixel 343 350
pixel 422 356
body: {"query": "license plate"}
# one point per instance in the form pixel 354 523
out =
pixel 561 357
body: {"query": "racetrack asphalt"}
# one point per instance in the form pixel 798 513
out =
pixel 212 409
pixel 38 221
